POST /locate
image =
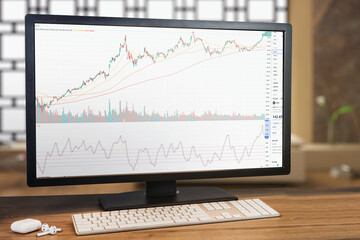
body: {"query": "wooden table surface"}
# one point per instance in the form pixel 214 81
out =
pixel 306 213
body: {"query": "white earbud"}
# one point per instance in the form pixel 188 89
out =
pixel 48 230
pixel 56 229
pixel 44 227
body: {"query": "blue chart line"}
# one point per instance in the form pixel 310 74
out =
pixel 161 151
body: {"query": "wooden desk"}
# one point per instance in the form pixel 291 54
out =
pixel 307 213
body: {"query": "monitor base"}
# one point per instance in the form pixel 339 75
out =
pixel 188 195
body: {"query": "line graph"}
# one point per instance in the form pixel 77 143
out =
pixel 47 101
pixel 162 150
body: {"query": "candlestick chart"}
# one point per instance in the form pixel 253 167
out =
pixel 51 109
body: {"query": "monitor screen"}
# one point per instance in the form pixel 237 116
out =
pixel 127 100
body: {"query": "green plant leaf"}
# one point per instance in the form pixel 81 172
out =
pixel 340 111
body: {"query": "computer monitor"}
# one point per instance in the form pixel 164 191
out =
pixel 112 100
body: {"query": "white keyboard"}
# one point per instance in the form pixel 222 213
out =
pixel 171 216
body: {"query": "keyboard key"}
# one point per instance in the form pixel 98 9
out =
pixel 266 207
pixel 225 205
pixel 257 207
pixel 78 216
pixel 85 229
pixel 226 215
pixel 98 229
pixel 205 218
pixel 216 206
pixel 208 206
pixel 112 227
pixel 146 224
pixel 181 221
pixel 193 220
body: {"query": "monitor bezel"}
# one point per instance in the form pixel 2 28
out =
pixel 30 21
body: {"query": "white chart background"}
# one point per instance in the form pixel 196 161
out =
pixel 192 81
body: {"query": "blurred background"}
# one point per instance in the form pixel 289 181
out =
pixel 325 80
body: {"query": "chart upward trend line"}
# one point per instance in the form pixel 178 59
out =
pixel 126 114
pixel 154 57
pixel 162 151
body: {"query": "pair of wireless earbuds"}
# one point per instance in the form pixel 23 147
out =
pixel 48 230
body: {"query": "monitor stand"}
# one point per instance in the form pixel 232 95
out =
pixel 162 193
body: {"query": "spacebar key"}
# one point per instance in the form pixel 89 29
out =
pixel 145 225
